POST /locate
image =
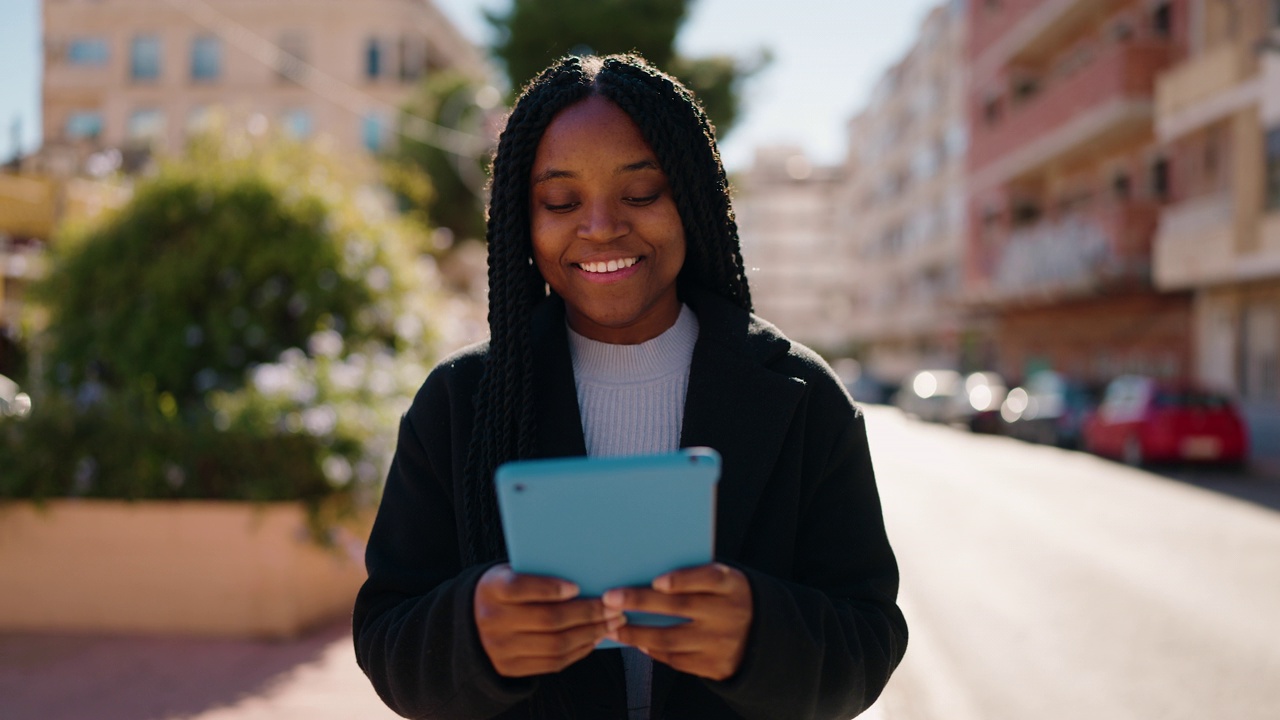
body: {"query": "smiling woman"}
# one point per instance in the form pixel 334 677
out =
pixel 620 323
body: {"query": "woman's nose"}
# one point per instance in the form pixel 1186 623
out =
pixel 602 222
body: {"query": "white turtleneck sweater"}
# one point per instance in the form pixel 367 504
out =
pixel 631 399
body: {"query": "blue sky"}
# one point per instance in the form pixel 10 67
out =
pixel 827 56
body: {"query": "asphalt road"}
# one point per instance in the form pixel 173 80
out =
pixel 1046 584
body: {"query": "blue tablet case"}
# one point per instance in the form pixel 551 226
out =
pixel 610 522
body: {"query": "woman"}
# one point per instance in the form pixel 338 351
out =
pixel 608 189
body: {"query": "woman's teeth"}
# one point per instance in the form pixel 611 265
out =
pixel 611 266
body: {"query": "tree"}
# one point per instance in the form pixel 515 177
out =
pixel 438 167
pixel 221 262
pixel 533 33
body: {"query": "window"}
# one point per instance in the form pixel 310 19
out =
pixel 1273 168
pixel 291 58
pixel 1162 20
pixel 144 58
pixel 206 58
pixel 297 123
pixel 83 125
pixel 991 110
pixel 1120 185
pixel 373 59
pixel 1160 179
pixel 413 57
pixel 373 132
pixel 145 127
pixel 87 51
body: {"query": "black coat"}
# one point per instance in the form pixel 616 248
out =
pixel 797 512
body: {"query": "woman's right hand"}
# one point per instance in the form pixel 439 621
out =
pixel 531 624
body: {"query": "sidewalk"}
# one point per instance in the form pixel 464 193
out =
pixel 78 677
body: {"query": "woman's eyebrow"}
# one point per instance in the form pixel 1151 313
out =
pixel 557 174
pixel 640 165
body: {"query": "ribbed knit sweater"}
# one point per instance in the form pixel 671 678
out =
pixel 631 399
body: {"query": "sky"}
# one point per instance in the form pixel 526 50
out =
pixel 828 55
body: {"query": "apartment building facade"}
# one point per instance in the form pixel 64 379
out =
pixel 140 75
pixel 1218 118
pixel 1066 185
pixel 902 209
pixel 796 262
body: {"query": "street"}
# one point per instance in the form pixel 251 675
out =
pixel 1039 584
pixel 1047 584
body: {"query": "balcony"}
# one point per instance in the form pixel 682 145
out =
pixel 1107 103
pixel 1204 89
pixel 1026 29
pixel 1084 254
pixel 1198 245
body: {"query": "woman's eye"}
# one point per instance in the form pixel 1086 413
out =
pixel 560 207
pixel 647 199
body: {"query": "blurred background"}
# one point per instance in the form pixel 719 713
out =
pixel 1039 240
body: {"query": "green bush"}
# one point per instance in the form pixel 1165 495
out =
pixel 249 326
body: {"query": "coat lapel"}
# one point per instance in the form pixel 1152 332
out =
pixel 739 407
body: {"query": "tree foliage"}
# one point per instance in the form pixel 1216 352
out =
pixel 533 33
pixel 219 263
pixel 441 183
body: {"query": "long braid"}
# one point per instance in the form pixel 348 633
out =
pixel 675 126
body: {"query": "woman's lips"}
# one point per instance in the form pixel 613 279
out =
pixel 606 271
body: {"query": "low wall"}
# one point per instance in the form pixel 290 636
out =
pixel 185 567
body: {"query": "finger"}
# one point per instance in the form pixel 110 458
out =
pixel 557 616
pixel 695 663
pixel 713 577
pixel 532 652
pixel 645 600
pixel 506 585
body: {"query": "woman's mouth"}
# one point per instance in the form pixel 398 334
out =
pixel 609 266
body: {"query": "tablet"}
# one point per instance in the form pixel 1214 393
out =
pixel 610 522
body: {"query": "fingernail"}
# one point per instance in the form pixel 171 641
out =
pixel 568 590
pixel 662 583
pixel 611 612
pixel 613 598
pixel 615 623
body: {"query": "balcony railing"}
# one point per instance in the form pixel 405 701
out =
pixel 1078 255
pixel 1072 111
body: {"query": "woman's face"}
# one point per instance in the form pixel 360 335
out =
pixel 606 233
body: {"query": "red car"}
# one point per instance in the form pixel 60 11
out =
pixel 1145 420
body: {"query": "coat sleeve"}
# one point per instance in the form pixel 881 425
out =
pixel 413 624
pixel 823 643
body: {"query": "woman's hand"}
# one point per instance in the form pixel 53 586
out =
pixel 717 600
pixel 530 625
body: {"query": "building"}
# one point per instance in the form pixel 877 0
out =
pixel 140 75
pixel 902 209
pixel 1218 118
pixel 1066 185
pixel 793 250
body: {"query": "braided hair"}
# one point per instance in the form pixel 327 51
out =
pixel 675 126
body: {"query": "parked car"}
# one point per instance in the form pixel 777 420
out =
pixel 1143 420
pixel 13 402
pixel 929 394
pixel 979 407
pixel 862 386
pixel 1048 408
pixel 946 396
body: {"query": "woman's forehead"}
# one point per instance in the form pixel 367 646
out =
pixel 593 131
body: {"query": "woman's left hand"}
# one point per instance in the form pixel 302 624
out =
pixel 717 600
